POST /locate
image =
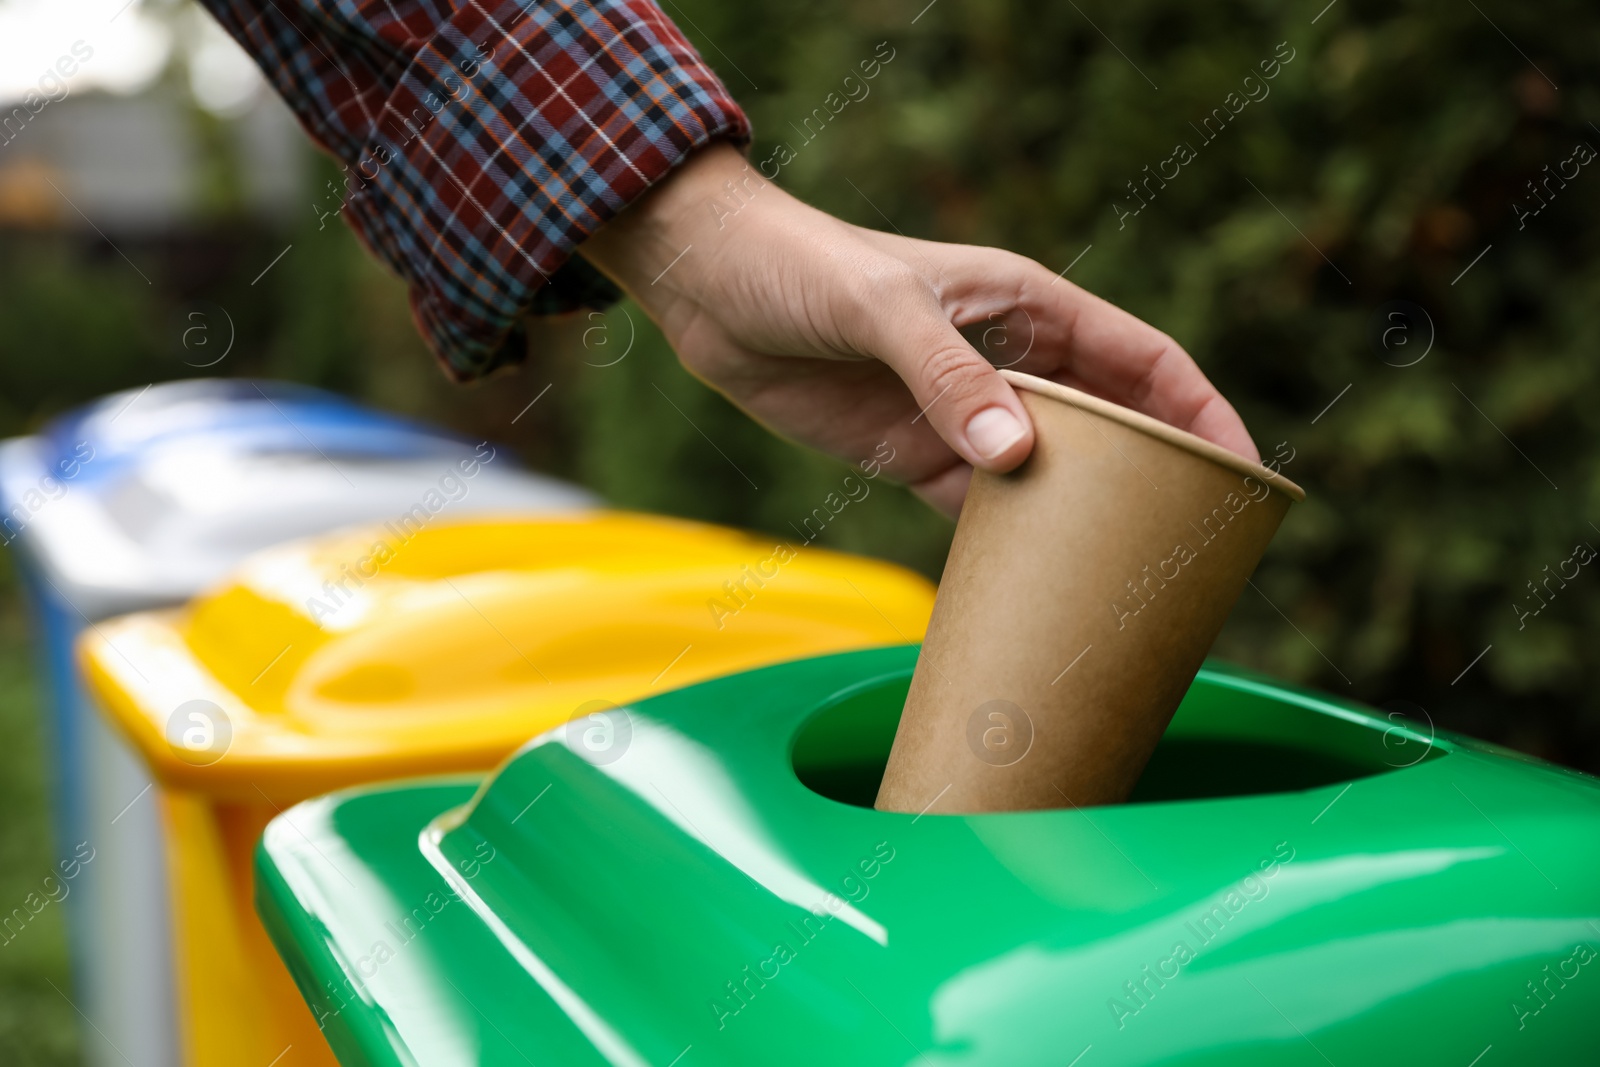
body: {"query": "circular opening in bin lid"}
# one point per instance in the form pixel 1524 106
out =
pixel 1223 742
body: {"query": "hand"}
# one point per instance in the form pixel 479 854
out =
pixel 840 337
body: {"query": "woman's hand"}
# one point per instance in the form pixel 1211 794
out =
pixel 840 337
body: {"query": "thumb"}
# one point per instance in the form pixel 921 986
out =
pixel 957 391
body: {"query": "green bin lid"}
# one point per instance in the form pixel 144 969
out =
pixel 1297 880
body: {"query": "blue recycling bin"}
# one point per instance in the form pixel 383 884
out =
pixel 142 499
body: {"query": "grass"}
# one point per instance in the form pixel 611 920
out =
pixel 38 1024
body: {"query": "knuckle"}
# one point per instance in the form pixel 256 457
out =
pixel 954 372
pixel 1020 263
pixel 1023 274
pixel 1165 354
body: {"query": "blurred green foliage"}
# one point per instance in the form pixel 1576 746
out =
pixel 1383 157
pixel 37 1023
pixel 1387 154
pixel 1380 161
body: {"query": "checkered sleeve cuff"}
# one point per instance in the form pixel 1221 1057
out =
pixel 482 145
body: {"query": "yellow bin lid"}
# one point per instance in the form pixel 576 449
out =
pixel 389 652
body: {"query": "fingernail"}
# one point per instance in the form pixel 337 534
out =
pixel 993 430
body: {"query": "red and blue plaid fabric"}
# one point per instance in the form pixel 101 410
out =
pixel 484 140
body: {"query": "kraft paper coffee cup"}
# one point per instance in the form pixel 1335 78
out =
pixel 1082 592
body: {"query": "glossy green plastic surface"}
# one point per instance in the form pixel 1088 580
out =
pixel 1297 881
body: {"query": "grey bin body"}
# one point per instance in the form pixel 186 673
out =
pixel 142 500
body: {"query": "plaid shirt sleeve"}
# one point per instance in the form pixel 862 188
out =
pixel 484 140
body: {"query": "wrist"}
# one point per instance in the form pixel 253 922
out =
pixel 661 244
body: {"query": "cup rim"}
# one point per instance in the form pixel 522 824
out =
pixel 1155 428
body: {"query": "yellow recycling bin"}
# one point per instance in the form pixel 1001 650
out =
pixel 389 652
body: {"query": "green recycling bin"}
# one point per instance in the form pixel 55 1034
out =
pixel 1297 880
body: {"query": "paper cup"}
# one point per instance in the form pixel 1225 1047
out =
pixel 1081 595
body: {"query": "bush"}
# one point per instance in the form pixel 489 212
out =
pixel 1389 152
pixel 1386 160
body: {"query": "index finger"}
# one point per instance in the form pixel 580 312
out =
pixel 1115 355
pixel 1078 339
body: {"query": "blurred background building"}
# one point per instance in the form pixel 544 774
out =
pixel 143 137
pixel 1389 165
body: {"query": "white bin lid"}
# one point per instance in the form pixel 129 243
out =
pixel 144 499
